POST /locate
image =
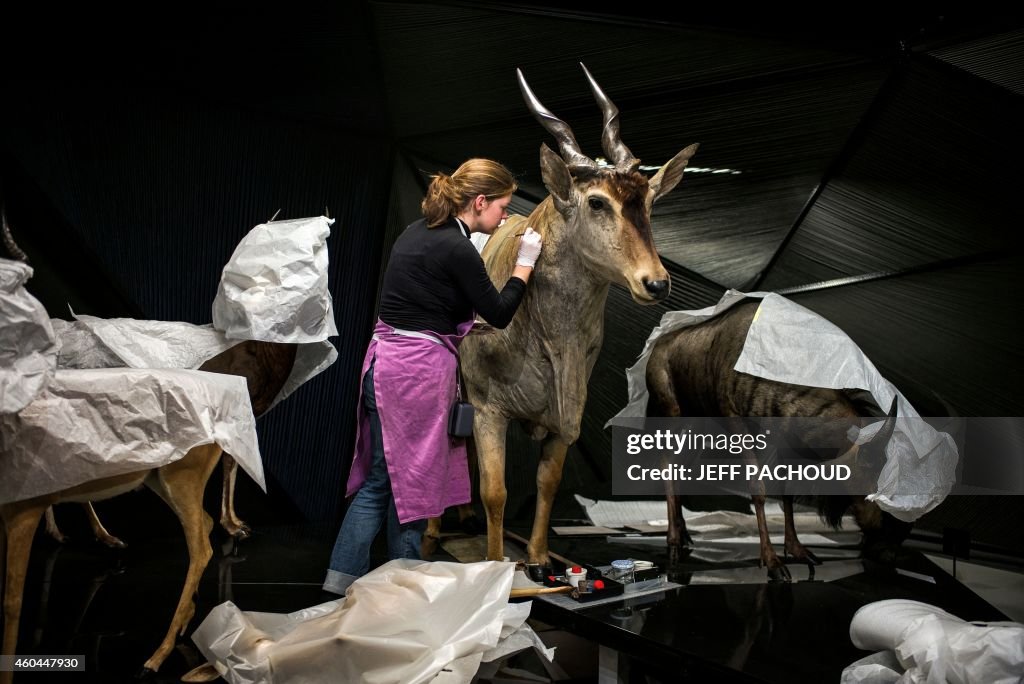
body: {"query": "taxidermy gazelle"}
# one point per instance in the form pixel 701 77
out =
pixel 180 484
pixel 265 366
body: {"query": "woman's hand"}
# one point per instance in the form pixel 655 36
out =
pixel 529 248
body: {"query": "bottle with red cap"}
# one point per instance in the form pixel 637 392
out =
pixel 574 574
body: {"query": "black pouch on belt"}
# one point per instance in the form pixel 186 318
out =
pixel 460 417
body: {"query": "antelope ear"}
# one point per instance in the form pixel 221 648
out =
pixel 670 174
pixel 557 178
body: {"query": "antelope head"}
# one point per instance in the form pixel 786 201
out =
pixel 607 211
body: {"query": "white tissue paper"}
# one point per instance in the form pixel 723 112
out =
pixel 28 352
pixel 789 343
pixel 285 290
pixel 274 286
pixel 923 644
pixel 88 424
pixel 90 342
pixel 406 621
pixel 96 424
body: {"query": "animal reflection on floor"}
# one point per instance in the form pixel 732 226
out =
pixel 109 605
pixel 82 612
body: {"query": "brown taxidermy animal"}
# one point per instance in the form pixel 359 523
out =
pixel 596 226
pixel 690 372
pixel 180 484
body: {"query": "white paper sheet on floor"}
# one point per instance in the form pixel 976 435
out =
pixel 923 644
pixel 789 343
pixel 407 621
pixel 707 525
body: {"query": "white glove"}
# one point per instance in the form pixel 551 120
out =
pixel 529 249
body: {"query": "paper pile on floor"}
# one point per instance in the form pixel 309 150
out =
pixel 920 643
pixel 407 621
pixel 721 526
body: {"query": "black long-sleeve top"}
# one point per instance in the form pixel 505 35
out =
pixel 435 279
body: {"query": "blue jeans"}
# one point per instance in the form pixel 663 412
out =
pixel 374 502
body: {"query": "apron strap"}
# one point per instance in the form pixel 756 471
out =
pixel 413 333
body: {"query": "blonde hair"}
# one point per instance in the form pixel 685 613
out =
pixel 447 195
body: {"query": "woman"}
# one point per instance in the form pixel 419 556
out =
pixel 406 468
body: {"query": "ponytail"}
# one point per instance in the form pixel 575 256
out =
pixel 448 195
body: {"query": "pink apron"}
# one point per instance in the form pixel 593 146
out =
pixel 414 383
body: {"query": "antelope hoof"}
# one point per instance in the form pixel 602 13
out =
pixel 676 554
pixel 428 545
pixel 685 541
pixel 112 542
pixel 237 530
pixel 803 554
pixel 779 573
pixel 203 673
pixel 144 674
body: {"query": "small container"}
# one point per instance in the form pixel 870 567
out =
pixel 574 574
pixel 622 571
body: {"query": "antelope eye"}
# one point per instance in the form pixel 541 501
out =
pixel 596 204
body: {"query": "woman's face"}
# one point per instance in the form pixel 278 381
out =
pixel 492 213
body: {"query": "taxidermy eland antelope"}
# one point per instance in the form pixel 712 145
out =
pixel 690 372
pixel 596 225
pixel 180 484
pixel 265 367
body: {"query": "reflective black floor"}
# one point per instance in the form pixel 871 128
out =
pixel 114 606
pixel 725 624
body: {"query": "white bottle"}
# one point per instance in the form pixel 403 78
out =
pixel 574 574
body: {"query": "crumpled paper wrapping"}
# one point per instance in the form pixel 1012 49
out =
pixel 789 343
pixel 88 424
pixel 405 622
pixel 92 424
pixel 28 352
pixel 923 644
pixel 274 286
pixel 90 342
pixel 285 290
